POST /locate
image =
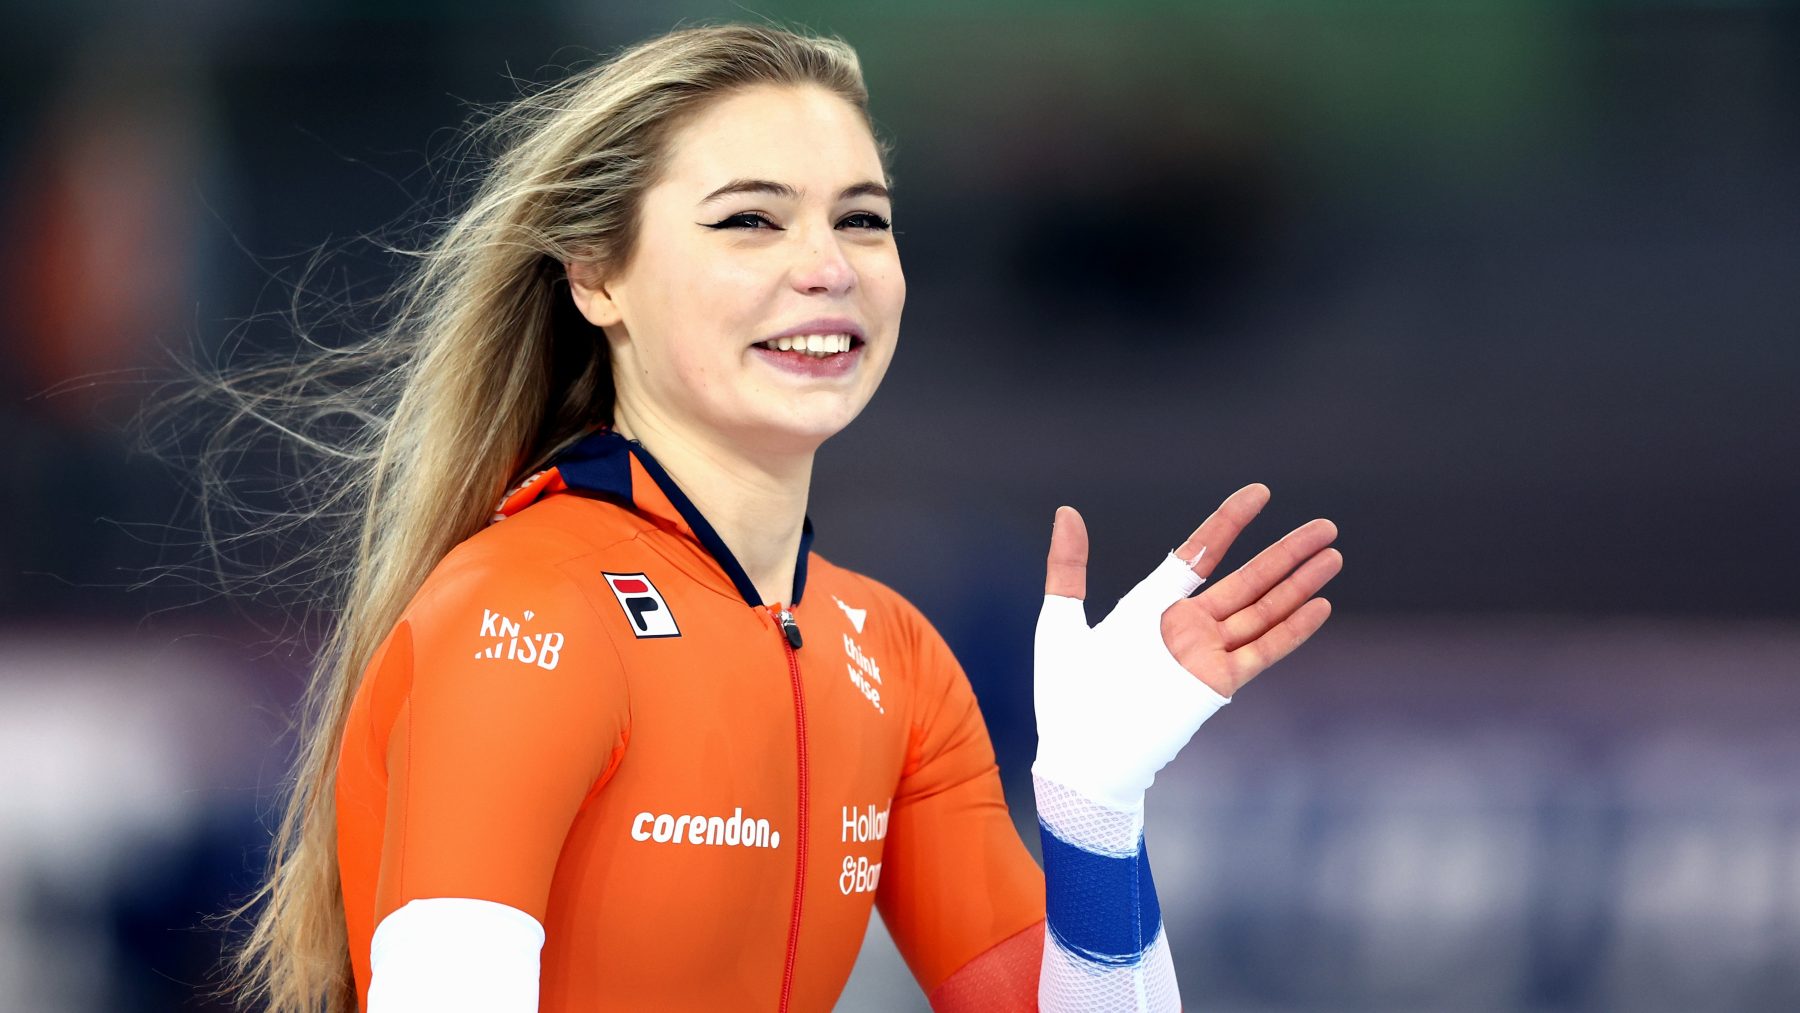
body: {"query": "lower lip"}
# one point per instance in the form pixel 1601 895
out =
pixel 801 364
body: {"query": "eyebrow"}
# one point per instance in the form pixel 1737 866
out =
pixel 786 192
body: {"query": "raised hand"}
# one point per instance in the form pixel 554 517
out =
pixel 1247 621
pixel 1117 701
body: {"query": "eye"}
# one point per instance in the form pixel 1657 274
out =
pixel 746 220
pixel 866 220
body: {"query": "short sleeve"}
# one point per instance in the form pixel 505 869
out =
pixel 513 713
pixel 956 879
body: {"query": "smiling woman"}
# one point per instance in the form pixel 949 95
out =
pixel 759 307
pixel 624 740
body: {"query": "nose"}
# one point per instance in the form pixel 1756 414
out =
pixel 822 268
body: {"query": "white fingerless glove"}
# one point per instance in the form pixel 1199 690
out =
pixel 1113 705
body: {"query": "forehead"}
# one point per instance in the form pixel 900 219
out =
pixel 802 135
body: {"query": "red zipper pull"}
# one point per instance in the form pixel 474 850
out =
pixel 789 628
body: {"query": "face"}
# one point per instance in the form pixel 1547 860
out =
pixel 762 300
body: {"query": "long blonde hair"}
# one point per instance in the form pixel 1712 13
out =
pixel 481 366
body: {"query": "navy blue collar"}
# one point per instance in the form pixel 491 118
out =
pixel 601 463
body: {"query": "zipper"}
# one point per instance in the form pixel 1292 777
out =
pixel 789 629
pixel 790 635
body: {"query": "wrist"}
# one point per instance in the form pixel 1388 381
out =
pixel 1080 777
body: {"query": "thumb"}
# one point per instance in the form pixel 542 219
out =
pixel 1065 574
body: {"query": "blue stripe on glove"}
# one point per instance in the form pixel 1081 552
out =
pixel 1085 909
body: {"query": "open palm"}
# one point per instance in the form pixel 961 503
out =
pixel 1232 631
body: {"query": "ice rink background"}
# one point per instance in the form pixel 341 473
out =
pixel 1511 291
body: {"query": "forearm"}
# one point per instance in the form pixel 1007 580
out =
pixel 1113 707
pixel 1115 702
pixel 1104 947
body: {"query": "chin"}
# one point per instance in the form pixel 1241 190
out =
pixel 801 431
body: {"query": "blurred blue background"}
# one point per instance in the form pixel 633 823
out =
pixel 1508 290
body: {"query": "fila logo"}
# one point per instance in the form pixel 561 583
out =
pixel 857 616
pixel 643 604
pixel 511 643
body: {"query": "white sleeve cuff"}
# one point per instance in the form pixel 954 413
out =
pixel 455 955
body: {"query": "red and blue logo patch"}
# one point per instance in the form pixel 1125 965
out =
pixel 643 604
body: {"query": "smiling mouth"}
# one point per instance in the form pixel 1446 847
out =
pixel 817 346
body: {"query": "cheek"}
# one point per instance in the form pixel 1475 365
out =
pixel 887 286
pixel 697 319
pixel 694 361
pixel 717 295
pixel 888 289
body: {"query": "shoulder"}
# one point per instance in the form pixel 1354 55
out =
pixel 532 560
pixel 551 533
pixel 500 643
pixel 519 591
pixel 916 663
pixel 861 591
pixel 890 618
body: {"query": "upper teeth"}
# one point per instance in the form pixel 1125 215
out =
pixel 816 344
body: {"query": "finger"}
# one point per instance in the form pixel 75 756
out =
pixel 1215 534
pixel 1065 573
pixel 1261 615
pixel 1253 658
pixel 1254 579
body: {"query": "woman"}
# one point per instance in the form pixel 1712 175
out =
pixel 625 742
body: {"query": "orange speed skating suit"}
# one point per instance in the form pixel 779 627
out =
pixel 586 713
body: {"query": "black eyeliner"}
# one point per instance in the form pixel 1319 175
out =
pixel 884 225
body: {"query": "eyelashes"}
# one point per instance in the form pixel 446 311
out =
pixel 871 219
pixel 754 220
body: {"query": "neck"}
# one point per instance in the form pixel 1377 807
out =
pixel 756 502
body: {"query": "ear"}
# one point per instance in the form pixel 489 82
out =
pixel 592 295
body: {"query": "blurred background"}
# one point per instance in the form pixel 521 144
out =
pixel 1509 290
